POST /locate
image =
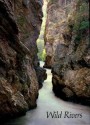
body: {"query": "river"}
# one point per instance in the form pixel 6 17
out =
pixel 48 102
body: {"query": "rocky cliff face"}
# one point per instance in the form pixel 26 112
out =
pixel 20 23
pixel 68 48
pixel 57 12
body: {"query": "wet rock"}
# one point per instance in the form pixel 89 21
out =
pixel 41 74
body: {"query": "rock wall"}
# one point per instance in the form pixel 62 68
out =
pixel 56 14
pixel 20 22
pixel 28 14
pixel 68 49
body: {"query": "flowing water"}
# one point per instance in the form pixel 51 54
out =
pixel 48 102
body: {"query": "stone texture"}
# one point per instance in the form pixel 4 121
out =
pixel 69 49
pixel 20 23
pixel 53 33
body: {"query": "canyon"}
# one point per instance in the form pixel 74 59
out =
pixel 26 83
pixel 59 111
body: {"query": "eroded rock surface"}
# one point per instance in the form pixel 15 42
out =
pixel 68 48
pixel 20 23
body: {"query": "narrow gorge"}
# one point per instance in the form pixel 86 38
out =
pixel 44 62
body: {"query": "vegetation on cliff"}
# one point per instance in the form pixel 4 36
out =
pixel 81 20
pixel 40 41
pixel 68 48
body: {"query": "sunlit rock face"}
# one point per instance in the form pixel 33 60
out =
pixel 20 23
pixel 67 35
pixel 56 13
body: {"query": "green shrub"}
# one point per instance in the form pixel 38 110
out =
pixel 43 55
pixel 84 25
pixel 81 19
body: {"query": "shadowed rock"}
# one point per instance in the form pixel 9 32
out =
pixel 19 30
